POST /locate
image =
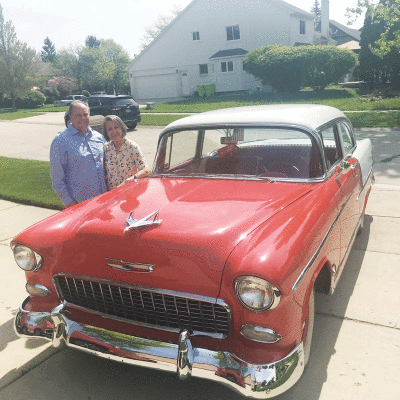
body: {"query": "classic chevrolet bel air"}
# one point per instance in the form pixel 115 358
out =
pixel 208 267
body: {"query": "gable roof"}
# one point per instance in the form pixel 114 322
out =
pixel 294 9
pixel 279 3
pixel 355 33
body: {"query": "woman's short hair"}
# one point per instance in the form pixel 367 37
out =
pixel 118 121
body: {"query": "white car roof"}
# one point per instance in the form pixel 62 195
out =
pixel 310 116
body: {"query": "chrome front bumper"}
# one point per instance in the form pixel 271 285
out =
pixel 254 381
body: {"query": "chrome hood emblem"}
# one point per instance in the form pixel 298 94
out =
pixel 129 267
pixel 136 223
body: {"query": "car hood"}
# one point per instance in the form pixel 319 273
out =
pixel 201 223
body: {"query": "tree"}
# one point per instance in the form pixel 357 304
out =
pixel 17 62
pixel 105 67
pixel 162 21
pixel 96 68
pixel 380 42
pixel 48 51
pixel 92 42
pixel 316 10
pixel 70 64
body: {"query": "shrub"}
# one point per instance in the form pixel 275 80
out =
pixel 33 99
pixel 280 67
pixel 291 68
pixel 85 93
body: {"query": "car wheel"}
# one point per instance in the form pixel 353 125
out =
pixel 132 126
pixel 310 327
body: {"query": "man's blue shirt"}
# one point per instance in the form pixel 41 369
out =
pixel 76 165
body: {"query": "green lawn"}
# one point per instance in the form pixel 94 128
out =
pixel 343 99
pixel 27 182
pixel 8 115
pixel 159 120
pixel 388 119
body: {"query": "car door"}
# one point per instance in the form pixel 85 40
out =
pixel 344 181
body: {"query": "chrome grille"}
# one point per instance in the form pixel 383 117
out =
pixel 145 306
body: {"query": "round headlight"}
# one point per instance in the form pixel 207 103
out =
pixel 26 258
pixel 256 294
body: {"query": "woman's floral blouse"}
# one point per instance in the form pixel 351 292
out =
pixel 128 162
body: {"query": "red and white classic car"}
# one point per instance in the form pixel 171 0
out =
pixel 208 267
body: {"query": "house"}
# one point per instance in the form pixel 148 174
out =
pixel 207 42
pixel 340 33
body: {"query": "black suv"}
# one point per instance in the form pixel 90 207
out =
pixel 124 106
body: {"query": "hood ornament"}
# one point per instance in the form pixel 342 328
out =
pixel 137 223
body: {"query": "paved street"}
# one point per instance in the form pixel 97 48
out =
pixel 30 138
pixel 356 344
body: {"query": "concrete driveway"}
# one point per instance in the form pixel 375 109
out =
pixel 30 138
pixel 356 343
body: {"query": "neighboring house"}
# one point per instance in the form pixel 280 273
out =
pixel 343 34
pixel 207 42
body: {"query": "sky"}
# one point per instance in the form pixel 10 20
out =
pixel 70 22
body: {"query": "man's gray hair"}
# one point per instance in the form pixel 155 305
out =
pixel 77 103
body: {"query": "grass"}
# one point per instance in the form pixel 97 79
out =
pixel 7 114
pixel 343 99
pixel 159 120
pixel 388 119
pixel 33 186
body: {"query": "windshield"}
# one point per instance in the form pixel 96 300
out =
pixel 250 152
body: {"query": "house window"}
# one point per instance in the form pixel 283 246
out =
pixel 203 69
pixel 302 27
pixel 196 35
pixel 232 32
pixel 227 66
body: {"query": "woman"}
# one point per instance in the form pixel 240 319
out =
pixel 123 158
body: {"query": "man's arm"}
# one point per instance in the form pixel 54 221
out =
pixel 58 170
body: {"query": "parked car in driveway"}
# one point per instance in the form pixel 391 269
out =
pixel 208 267
pixel 69 99
pixel 123 106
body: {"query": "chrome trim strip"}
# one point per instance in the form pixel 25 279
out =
pixel 366 183
pixel 128 266
pixel 251 380
pixel 313 258
pixel 335 278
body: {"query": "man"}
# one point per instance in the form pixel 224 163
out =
pixel 76 159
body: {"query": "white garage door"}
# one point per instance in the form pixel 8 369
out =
pixel 156 86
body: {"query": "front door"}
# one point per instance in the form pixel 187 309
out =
pixel 185 83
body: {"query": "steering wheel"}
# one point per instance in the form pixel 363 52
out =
pixel 285 168
pixel 264 170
